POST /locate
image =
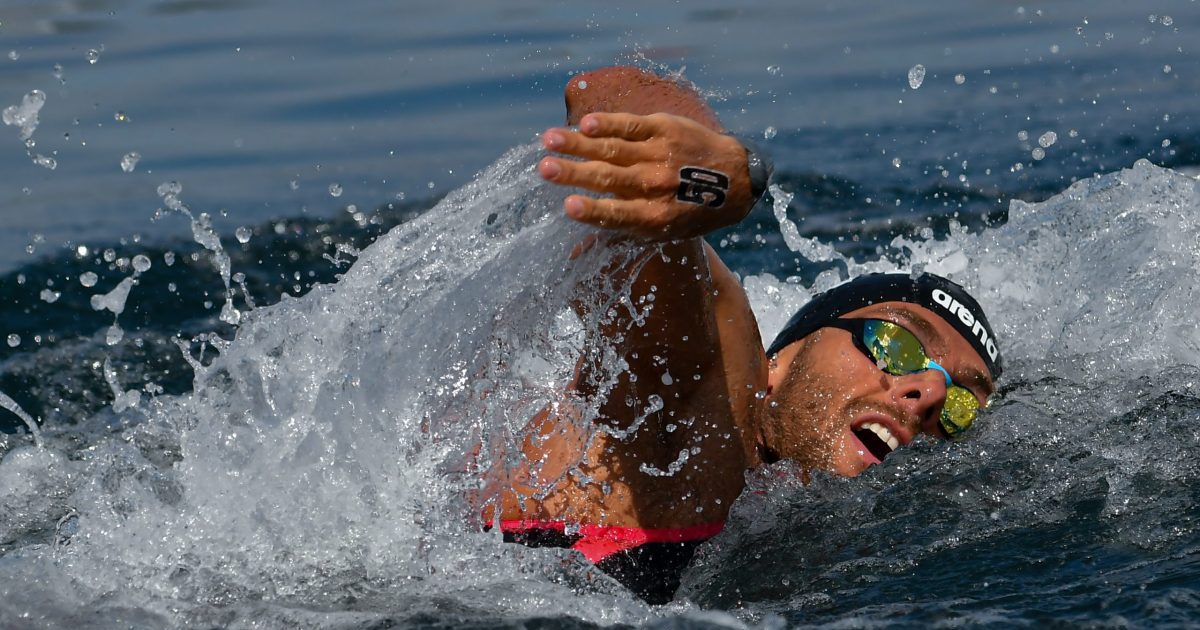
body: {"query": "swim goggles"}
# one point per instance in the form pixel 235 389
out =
pixel 898 352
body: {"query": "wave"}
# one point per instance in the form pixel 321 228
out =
pixel 317 467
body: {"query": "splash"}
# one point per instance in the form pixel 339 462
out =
pixel 24 116
pixel 329 455
pixel 916 76
pixel 203 233
pixel 1087 453
pixel 12 406
pixel 332 449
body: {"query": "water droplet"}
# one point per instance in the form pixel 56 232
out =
pixel 896 162
pixel 14 55
pixel 110 255
pixel 88 279
pixel 1054 49
pixel 113 335
pixel 335 190
pixel 769 132
pixel 169 188
pixel 1022 135
pixel 141 263
pixel 1038 153
pixel 129 161
pixel 1048 139
pixel 14 340
pixel 583 85
pixel 242 234
pixel 25 115
pixel 58 73
pixel 169 258
pixel 1167 69
pixel 960 78
pixel 773 70
pixel 916 76
pixel 1152 18
pixel 120 117
pixel 1167 20
pixel 1166 143
pixel 294 185
pixel 45 161
pixel 1073 133
pixel 93 56
pixel 49 296
pixel 229 314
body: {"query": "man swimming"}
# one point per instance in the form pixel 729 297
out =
pixel 859 371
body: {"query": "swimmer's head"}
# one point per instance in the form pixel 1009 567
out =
pixel 868 366
pixel 944 298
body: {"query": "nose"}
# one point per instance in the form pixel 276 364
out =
pixel 921 396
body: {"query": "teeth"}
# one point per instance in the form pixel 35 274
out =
pixel 883 434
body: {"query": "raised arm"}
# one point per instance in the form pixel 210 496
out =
pixel 663 180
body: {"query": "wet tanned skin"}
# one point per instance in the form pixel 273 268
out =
pixel 739 412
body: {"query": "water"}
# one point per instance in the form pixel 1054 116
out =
pixel 257 415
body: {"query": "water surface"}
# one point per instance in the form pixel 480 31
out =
pixel 245 438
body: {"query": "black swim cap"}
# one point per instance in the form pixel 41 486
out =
pixel 945 298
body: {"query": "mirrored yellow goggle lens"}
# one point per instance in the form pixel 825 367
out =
pixel 959 411
pixel 899 350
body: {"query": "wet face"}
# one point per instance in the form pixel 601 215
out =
pixel 830 407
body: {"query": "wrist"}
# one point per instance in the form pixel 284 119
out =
pixel 759 167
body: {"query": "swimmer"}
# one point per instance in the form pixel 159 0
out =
pixel 858 372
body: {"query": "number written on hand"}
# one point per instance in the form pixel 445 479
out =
pixel 702 186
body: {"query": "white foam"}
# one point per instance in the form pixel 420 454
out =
pixel 334 448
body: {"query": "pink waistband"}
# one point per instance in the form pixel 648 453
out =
pixel 597 542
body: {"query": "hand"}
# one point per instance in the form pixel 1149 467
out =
pixel 670 177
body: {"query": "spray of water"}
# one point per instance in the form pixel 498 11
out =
pixel 331 456
pixel 1085 454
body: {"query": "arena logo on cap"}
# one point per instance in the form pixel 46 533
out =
pixel 964 314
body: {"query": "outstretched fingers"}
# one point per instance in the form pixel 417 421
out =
pixel 612 150
pixel 622 181
pixel 630 127
pixel 637 216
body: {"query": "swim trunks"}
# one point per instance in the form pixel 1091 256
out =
pixel 649 562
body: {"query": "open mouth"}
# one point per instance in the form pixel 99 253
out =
pixel 877 438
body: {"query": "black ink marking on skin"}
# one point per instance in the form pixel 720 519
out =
pixel 702 186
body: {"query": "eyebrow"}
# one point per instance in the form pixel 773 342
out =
pixel 971 377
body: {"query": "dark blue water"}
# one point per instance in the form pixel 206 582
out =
pixel 308 131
